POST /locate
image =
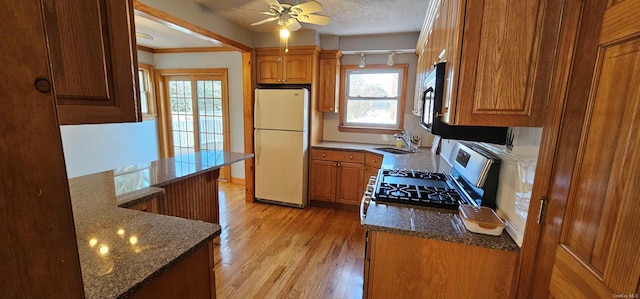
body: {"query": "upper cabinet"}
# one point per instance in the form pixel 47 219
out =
pixel 329 81
pixel 94 60
pixel 294 67
pixel 499 57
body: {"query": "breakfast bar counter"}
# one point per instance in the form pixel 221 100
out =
pixel 122 251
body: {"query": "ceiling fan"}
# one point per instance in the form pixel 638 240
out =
pixel 289 16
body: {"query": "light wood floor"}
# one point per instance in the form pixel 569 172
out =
pixel 270 251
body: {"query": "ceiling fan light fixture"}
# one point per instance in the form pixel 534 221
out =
pixel 362 62
pixel 144 35
pixel 284 33
pixel 390 61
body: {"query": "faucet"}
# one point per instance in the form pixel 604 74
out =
pixel 406 140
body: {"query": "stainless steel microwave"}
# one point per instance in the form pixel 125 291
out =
pixel 430 119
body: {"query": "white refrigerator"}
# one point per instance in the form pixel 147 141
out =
pixel 281 121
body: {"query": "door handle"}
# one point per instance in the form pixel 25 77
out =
pixel 257 147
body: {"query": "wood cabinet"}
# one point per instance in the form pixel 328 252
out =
pixel 94 60
pixel 399 266
pixel 336 176
pixel 329 81
pixel 372 163
pixel 294 67
pixel 499 57
pixel 192 277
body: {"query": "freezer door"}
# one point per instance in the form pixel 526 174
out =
pixel 281 109
pixel 281 166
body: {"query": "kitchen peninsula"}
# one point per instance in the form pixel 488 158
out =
pixel 125 252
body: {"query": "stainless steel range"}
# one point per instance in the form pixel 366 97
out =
pixel 473 180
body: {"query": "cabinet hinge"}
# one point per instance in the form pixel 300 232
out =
pixel 541 211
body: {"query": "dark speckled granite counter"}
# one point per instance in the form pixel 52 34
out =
pixel 432 223
pixel 122 250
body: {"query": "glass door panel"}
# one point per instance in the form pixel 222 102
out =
pixel 181 105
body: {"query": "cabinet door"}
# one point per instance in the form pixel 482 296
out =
pixel 269 69
pixel 94 60
pixel 322 180
pixel 507 59
pixel 349 189
pixel 328 91
pixel 297 69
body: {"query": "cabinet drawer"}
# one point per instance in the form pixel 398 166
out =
pixel 373 160
pixel 333 155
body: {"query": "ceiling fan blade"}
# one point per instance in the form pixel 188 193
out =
pixel 307 7
pixel 267 20
pixel 293 25
pixel 256 11
pixel 275 4
pixel 314 19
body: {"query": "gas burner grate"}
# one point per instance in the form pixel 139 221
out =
pixel 415 174
pixel 418 195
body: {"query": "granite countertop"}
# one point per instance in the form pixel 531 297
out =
pixel 425 222
pixel 122 250
pixel 142 178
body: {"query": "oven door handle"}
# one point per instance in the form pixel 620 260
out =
pixel 366 199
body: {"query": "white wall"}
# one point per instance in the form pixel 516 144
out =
pixel 297 38
pixel 93 148
pixel 231 61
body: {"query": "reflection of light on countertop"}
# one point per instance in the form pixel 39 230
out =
pixel 133 240
pixel 103 249
pixel 93 242
pixel 120 232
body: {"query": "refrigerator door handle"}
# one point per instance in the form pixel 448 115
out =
pixel 257 144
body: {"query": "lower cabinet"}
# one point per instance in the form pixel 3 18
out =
pixel 400 266
pixel 348 188
pixel 192 277
pixel 336 176
pixel 371 167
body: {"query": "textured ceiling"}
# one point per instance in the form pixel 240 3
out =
pixel 348 17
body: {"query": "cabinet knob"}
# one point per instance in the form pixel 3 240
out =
pixel 335 164
pixel 330 109
pixel 43 85
pixel 338 164
pixel 324 155
pixel 350 157
pixel 374 160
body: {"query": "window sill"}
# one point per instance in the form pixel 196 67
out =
pixel 369 130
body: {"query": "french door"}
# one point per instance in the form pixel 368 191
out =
pixel 194 112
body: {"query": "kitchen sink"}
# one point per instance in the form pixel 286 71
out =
pixel 393 150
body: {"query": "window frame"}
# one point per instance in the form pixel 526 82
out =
pixel 343 127
pixel 152 110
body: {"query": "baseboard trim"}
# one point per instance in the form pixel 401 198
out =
pixel 334 205
pixel 239 181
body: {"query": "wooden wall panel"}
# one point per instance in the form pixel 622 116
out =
pixel 192 198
